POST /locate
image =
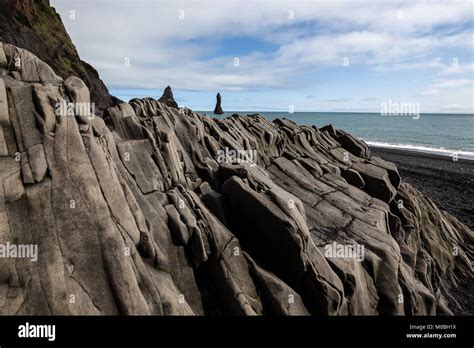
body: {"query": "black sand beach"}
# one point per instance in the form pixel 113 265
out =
pixel 450 184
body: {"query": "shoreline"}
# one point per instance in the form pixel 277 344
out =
pixel 449 183
pixel 423 151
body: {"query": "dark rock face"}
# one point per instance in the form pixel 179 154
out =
pixel 140 213
pixel 34 25
pixel 168 99
pixel 218 109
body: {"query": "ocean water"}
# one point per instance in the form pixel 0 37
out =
pixel 444 134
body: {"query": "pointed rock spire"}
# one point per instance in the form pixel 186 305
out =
pixel 168 99
pixel 218 109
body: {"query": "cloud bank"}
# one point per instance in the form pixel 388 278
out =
pixel 300 47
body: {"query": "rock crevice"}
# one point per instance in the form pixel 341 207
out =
pixel 139 212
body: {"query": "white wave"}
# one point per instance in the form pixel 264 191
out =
pixel 425 149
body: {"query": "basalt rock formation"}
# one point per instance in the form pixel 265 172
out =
pixel 139 212
pixel 168 99
pixel 36 26
pixel 218 109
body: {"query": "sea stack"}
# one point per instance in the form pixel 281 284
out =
pixel 151 211
pixel 155 185
pixel 218 109
pixel 168 98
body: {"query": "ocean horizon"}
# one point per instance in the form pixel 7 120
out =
pixel 339 182
pixel 437 133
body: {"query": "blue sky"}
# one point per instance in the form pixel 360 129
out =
pixel 312 55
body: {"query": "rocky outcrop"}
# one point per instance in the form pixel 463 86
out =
pixel 35 25
pixel 168 99
pixel 218 109
pixel 158 210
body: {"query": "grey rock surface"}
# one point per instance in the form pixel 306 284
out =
pixel 36 26
pixel 140 213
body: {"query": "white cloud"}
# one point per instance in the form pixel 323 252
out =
pixel 430 92
pixel 457 68
pixel 164 49
pixel 455 95
pixel 454 83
